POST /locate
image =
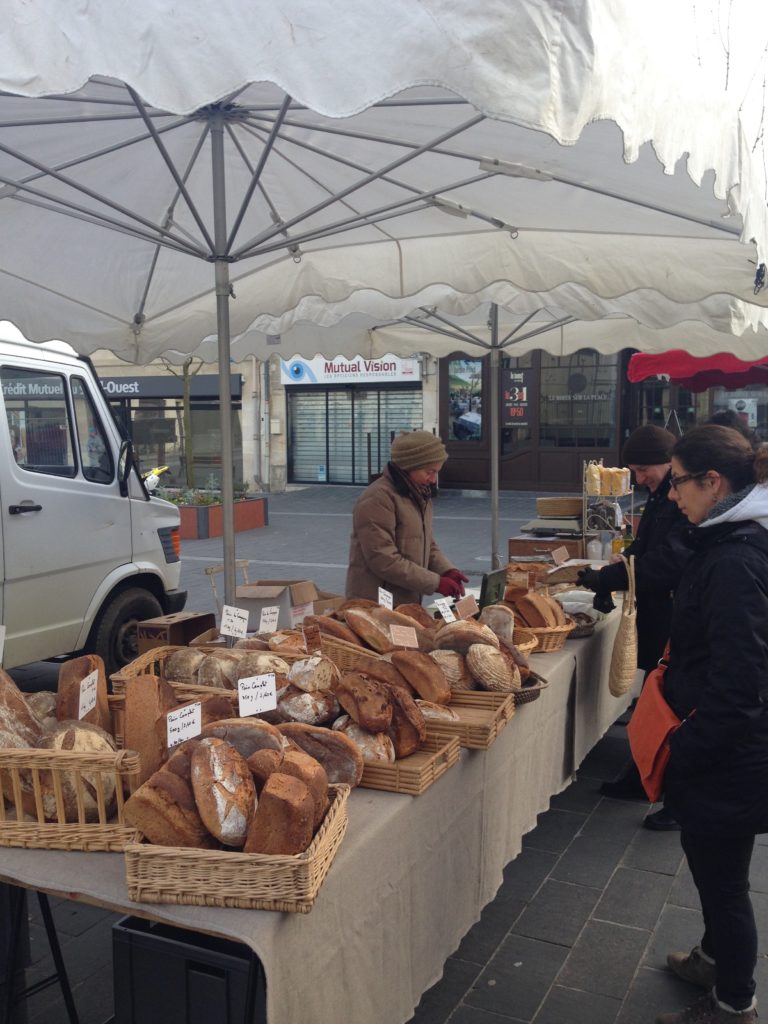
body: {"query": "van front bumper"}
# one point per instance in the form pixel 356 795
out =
pixel 174 601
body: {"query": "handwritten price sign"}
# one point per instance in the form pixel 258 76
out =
pixel 88 689
pixel 403 636
pixel 444 607
pixel 184 723
pixel 234 621
pixel 268 619
pixel 257 694
pixel 385 599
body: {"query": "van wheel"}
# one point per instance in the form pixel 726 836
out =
pixel 114 636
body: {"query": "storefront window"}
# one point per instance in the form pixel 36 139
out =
pixel 749 404
pixel 670 406
pixel 465 385
pixel 578 400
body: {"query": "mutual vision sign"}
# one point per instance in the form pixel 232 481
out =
pixel 343 370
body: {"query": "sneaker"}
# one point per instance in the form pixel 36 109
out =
pixel 707 1010
pixel 661 821
pixel 694 968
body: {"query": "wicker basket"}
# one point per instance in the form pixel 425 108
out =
pixel 251 881
pixel 549 639
pixel 530 691
pixel 104 834
pixel 345 656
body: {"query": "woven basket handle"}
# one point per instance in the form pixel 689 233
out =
pixel 630 565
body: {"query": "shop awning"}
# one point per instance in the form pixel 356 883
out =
pixel 722 370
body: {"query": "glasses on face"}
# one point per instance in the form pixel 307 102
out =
pixel 676 481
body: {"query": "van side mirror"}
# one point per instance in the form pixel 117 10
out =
pixel 125 463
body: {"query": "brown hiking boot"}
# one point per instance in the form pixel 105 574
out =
pixel 707 1010
pixel 694 968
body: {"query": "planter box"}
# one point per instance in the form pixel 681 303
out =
pixel 199 522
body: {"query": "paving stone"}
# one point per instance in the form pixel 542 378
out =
pixel 676 929
pixel 607 759
pixel 554 830
pixel 570 1006
pixel 484 938
pixel 589 860
pixel 604 959
pixel 582 795
pixel 617 818
pixel 518 977
pixel 683 892
pixel 633 898
pixel 525 874
pixel 474 1015
pixel 75 918
pixel 558 912
pixel 438 1002
pixel 654 851
pixel 758 870
pixel 653 992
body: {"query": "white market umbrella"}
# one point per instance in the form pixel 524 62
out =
pixel 172 171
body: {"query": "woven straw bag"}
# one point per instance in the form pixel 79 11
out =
pixel 623 668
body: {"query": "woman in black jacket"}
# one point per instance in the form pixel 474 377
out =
pixel 716 783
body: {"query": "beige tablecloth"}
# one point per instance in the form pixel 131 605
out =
pixel 412 874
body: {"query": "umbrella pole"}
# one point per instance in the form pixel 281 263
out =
pixel 494 428
pixel 223 291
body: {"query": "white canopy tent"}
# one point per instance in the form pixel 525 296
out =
pixel 317 154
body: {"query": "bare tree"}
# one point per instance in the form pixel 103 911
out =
pixel 187 372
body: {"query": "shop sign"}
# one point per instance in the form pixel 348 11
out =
pixel 515 397
pixel 746 409
pixel 342 370
pixel 204 385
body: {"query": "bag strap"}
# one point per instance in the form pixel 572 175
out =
pixel 629 564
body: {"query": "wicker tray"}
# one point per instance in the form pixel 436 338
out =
pixel 251 881
pixel 549 639
pixel 105 834
pixel 416 773
pixel 482 717
pixel 531 689
pixel 560 506
pixel 184 692
pixel 344 655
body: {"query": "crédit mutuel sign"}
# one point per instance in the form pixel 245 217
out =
pixel 343 370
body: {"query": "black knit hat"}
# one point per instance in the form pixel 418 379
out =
pixel 648 446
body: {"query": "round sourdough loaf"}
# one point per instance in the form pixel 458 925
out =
pixel 500 618
pixel 492 669
pixel 220 669
pixel 282 823
pixel 83 738
pixel 315 673
pixel 460 635
pixel 164 809
pixel 336 752
pixel 424 675
pixel 181 666
pixel 420 614
pixel 315 708
pixel 454 668
pixel 224 790
pixel 374 746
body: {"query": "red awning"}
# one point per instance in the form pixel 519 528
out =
pixel 723 370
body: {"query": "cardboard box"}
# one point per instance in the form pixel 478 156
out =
pixel 294 598
pixel 177 629
pixel 327 602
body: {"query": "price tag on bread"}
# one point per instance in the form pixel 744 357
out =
pixel 268 619
pixel 467 606
pixel 300 611
pixel 234 621
pixel 560 555
pixel 404 636
pixel 184 723
pixel 88 693
pixel 312 640
pixel 256 694
pixel 444 607
pixel 385 599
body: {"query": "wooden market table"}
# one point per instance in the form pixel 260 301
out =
pixel 412 874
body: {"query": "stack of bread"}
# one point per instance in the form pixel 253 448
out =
pixel 539 611
pixel 49 721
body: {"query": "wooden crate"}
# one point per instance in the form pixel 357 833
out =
pixel 251 881
pixel 482 717
pixel 415 773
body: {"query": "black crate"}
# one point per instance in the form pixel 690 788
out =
pixel 166 975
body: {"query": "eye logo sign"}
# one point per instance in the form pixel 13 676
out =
pixel 299 372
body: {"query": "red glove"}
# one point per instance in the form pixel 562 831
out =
pixel 449 587
pixel 458 577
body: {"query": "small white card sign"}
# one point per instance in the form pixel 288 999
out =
pixel 88 687
pixel 184 723
pixel 403 636
pixel 467 606
pixel 268 619
pixel 234 621
pixel 2 643
pixel 444 607
pixel 385 599
pixel 300 611
pixel 256 694
pixel 560 555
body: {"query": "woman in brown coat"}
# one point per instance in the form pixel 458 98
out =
pixel 392 545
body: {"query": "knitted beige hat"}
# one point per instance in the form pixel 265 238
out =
pixel 416 449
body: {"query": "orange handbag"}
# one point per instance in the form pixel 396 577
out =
pixel 652 723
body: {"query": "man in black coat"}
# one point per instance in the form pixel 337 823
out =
pixel 660 553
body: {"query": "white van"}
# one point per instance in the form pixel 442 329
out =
pixel 86 551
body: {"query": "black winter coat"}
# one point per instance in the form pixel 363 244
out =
pixel 660 553
pixel 717 777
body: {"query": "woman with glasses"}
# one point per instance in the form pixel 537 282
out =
pixel 716 783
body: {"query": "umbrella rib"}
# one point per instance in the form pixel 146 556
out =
pixel 544 330
pixel 459 334
pixel 257 172
pixel 269 233
pixel 519 327
pixel 172 168
pixel 433 314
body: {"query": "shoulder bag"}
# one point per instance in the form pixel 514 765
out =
pixel 652 723
pixel 621 674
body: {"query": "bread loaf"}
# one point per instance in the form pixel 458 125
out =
pixel 378 667
pixel 182 665
pixel 262 763
pixel 164 809
pixel 366 701
pixel 71 675
pixel 387 617
pixel 147 698
pixel 251 643
pixel 454 668
pixel 315 673
pixel 43 704
pixel 355 602
pixel 460 635
pixel 408 730
pixel 537 611
pixel 341 759
pixel 333 627
pixel 491 669
pixel 315 708
pixel 437 712
pixel 97 786
pixel 224 790
pixel 220 669
pixel 424 675
pixel 19 725
pixel 301 766
pixel 256 663
pixel 369 629
pixel 247 735
pixel 500 618
pixel 420 614
pixel 288 641
pixel 374 746
pixel 282 822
